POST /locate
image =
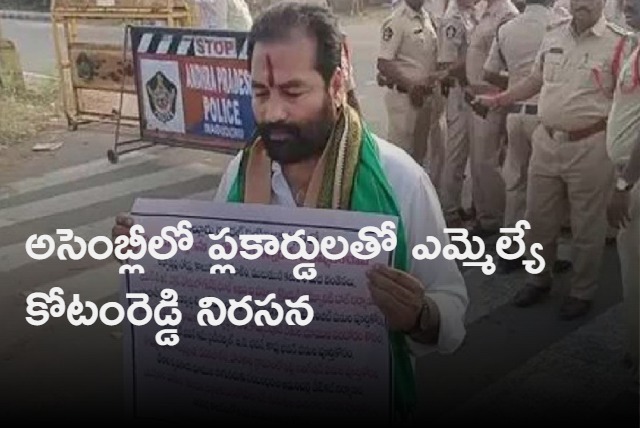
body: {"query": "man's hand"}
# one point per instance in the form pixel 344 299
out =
pixel 436 77
pixel 398 295
pixel 618 210
pixel 122 228
pixel 491 101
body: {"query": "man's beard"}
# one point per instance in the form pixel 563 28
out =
pixel 291 143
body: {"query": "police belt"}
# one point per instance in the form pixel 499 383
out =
pixel 579 134
pixel 403 90
pixel 523 109
pixel 399 88
pixel 456 82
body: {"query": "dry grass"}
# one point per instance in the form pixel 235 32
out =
pixel 24 114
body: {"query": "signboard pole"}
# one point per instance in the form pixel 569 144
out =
pixel 114 154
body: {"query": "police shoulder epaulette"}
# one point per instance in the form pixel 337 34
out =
pixel 387 21
pixel 558 23
pixel 618 29
pixel 451 20
pixel 431 20
pixel 501 24
pixel 632 40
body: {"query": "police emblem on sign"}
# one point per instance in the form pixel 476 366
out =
pixel 162 97
pixel 387 34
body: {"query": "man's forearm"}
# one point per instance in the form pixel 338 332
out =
pixel 457 70
pixel 496 79
pixel 521 91
pixel 393 74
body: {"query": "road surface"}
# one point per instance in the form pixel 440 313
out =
pixel 34 42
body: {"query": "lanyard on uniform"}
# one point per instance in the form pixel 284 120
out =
pixel 597 76
pixel 615 69
pixel 635 75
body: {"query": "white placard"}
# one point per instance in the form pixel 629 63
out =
pixel 338 366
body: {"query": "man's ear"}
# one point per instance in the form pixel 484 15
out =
pixel 337 87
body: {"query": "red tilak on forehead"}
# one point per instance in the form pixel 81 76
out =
pixel 270 77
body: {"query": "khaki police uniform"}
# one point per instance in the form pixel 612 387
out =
pixel 409 39
pixel 622 137
pixel 479 7
pixel 433 154
pixel 569 162
pixel 231 15
pixel 453 39
pixel 561 9
pixel 436 9
pixel 514 50
pixel 614 12
pixel 346 64
pixel 486 134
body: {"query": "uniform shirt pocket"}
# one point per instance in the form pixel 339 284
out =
pixel 553 60
pixel 418 36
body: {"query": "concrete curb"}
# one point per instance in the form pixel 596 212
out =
pixel 24 15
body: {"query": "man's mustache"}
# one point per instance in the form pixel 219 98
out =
pixel 268 129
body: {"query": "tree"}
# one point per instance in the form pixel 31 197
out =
pixel 36 5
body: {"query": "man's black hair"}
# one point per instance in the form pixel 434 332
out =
pixel 279 22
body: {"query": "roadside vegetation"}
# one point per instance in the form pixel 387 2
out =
pixel 23 114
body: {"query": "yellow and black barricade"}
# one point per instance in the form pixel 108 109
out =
pixel 95 68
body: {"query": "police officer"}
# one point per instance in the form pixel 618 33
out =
pixel 223 14
pixel 623 146
pixel 435 149
pixel 407 65
pixel 457 24
pixel 575 73
pixel 613 11
pixel 346 63
pixel 486 131
pixel 514 50
pixel 561 8
pixel 347 67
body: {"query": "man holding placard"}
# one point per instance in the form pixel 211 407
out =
pixel 313 150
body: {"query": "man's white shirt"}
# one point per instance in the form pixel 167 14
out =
pixel 421 216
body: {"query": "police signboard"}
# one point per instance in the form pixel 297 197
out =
pixel 194 87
